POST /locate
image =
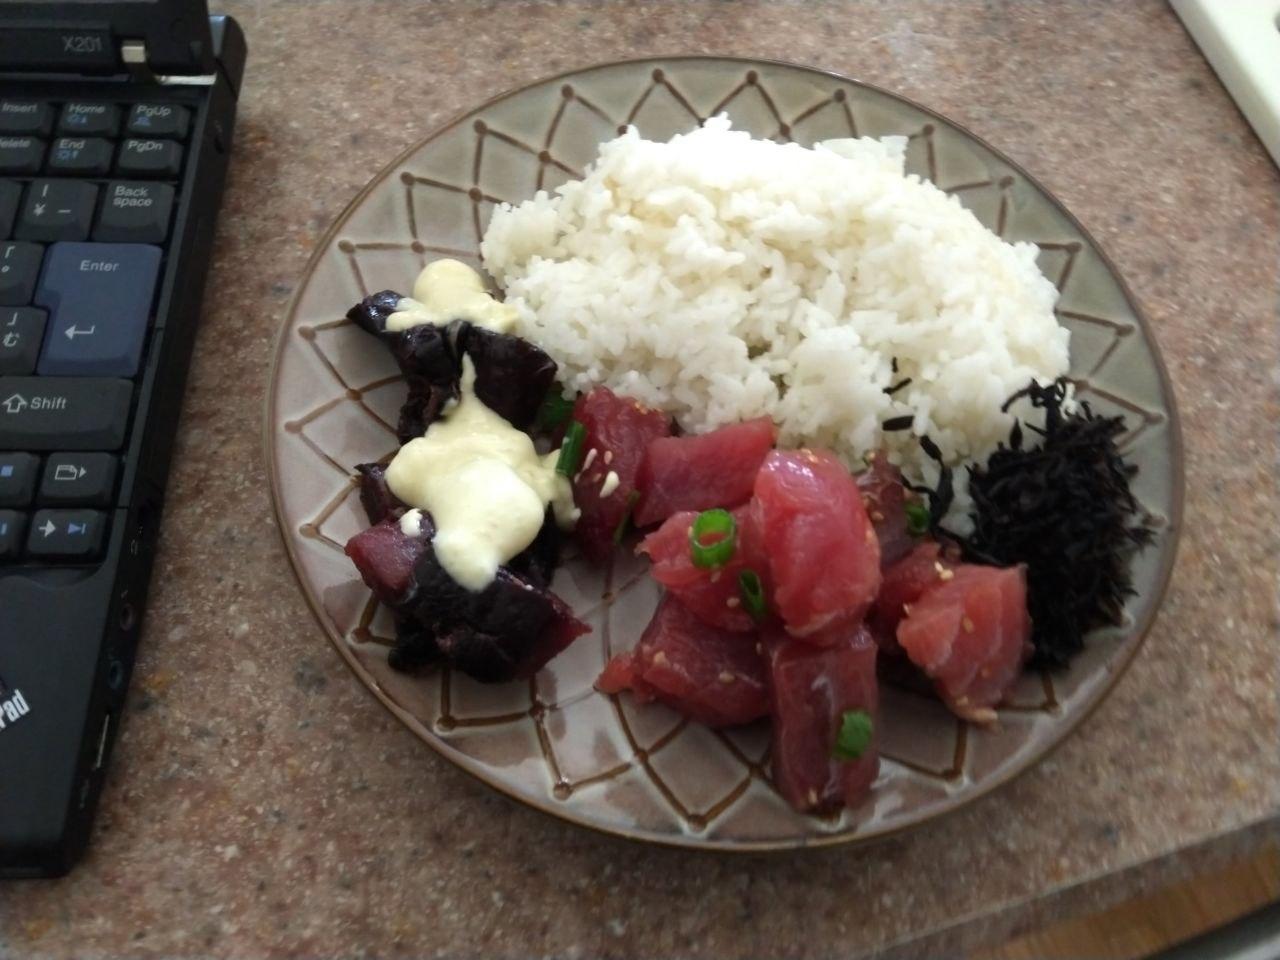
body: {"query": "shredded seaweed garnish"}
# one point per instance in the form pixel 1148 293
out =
pixel 1062 507
pixel 891 390
pixel 898 423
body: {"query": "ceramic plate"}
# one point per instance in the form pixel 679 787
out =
pixel 554 742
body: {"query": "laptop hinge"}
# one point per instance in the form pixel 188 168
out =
pixel 134 55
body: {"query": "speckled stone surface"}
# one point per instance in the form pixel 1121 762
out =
pixel 262 804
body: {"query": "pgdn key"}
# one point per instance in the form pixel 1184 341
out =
pixel 99 300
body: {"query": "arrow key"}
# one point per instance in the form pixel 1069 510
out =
pixel 57 210
pixel 78 479
pixel 66 534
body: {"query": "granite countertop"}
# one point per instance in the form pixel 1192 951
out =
pixel 261 803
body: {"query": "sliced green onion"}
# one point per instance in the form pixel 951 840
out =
pixel 620 530
pixel 712 538
pixel 554 411
pixel 752 591
pixel 854 736
pixel 571 450
pixel 917 519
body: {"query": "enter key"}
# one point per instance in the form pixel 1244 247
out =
pixel 99 299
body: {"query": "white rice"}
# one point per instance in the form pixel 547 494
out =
pixel 721 278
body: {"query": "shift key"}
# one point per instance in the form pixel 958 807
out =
pixel 99 300
pixel 63 413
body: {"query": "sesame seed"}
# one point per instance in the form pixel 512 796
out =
pixel 759 648
pixel 726 676
pixel 946 574
pixel 906 608
pixel 877 516
pixel 732 602
pixel 608 456
pixel 715 575
pixel 967 624
pixel 659 658
pixel 588 460
pixel 813 797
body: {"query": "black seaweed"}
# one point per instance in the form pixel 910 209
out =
pixel 376 496
pixel 1065 509
pixel 512 375
pixel 897 423
pixel 371 313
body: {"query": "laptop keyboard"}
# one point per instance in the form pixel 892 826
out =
pixel 87 192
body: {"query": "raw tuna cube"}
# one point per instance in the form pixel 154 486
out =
pixel 824 560
pixel 385 557
pixel 618 430
pixel 810 689
pixel 712 594
pixel 716 469
pixel 713 676
pixel 886 499
pixel 622 672
pixel 971 635
pixel 902 585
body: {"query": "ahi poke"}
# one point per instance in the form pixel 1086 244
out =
pixel 827 405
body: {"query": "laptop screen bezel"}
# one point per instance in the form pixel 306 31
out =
pixel 176 32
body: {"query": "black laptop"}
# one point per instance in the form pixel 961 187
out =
pixel 115 128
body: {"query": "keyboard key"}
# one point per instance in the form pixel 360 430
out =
pixel 90 119
pixel 149 158
pixel 158 120
pixel 134 212
pixel 26 116
pixel 63 413
pixel 77 479
pixel 10 194
pixel 86 156
pixel 12 524
pixel 18 478
pixel 57 210
pixel 66 534
pixel 21 155
pixel 21 330
pixel 99 299
pixel 19 267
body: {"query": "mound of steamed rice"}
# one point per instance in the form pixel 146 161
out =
pixel 720 278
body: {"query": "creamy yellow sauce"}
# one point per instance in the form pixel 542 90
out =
pixel 483 483
pixel 450 290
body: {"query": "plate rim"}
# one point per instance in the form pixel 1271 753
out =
pixel 701 842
